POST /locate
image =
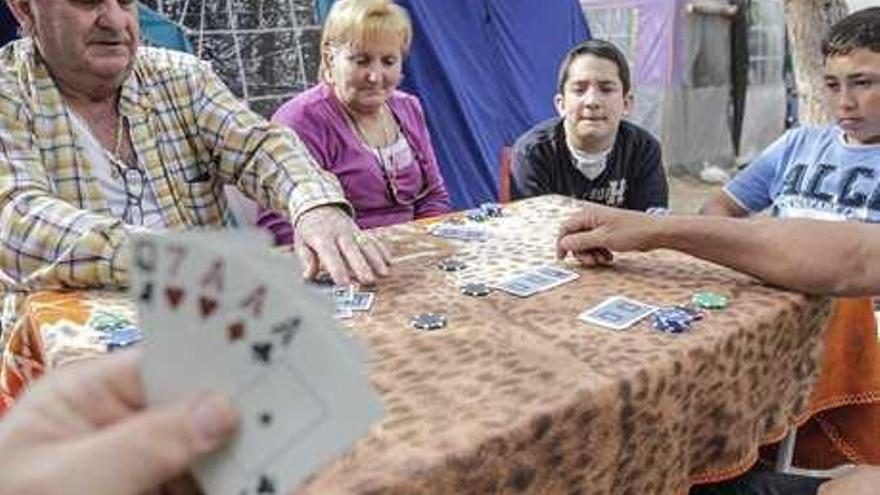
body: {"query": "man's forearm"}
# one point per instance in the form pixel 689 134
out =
pixel 803 255
pixel 57 245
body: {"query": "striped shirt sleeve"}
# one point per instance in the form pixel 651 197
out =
pixel 268 162
pixel 46 241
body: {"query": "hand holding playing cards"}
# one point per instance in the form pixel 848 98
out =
pixel 327 237
pixel 82 430
pixel 591 234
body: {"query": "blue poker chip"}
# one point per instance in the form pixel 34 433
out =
pixel 122 337
pixel 491 210
pixel 675 319
pixel 667 328
pixel 476 215
pixel 670 326
pixel 675 314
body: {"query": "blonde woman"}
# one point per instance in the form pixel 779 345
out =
pixel 359 126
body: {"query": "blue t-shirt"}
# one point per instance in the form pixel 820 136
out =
pixel 811 172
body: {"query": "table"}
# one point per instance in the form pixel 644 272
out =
pixel 517 395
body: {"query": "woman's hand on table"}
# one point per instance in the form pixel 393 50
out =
pixel 326 237
pixel 85 429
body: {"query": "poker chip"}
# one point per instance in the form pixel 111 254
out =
pixel 476 289
pixel 428 321
pixel 709 300
pixel 476 215
pixel 122 337
pixel 675 319
pixel 491 210
pixel 670 326
pixel 451 265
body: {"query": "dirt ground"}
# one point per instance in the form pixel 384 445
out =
pixel 687 193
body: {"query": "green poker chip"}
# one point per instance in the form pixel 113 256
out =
pixel 709 300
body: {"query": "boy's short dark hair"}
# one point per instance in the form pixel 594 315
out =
pixel 600 49
pixel 861 29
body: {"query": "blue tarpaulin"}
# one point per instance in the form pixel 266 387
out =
pixel 322 7
pixel 485 71
pixel 156 30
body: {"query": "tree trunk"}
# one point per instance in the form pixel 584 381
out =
pixel 808 24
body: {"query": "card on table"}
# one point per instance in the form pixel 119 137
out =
pixel 345 298
pixel 617 313
pixel 522 286
pixel 220 312
pixel 460 232
pixel 359 301
pixel 560 275
pixel 536 280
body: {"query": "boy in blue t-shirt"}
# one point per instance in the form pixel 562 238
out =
pixel 830 172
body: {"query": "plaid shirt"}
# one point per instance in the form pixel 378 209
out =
pixel 191 136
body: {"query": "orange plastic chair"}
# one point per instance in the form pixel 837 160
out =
pixel 504 175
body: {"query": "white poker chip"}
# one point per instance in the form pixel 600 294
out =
pixel 451 265
pixel 476 289
pixel 428 321
pixel 476 215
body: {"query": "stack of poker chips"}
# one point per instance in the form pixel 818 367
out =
pixel 476 215
pixel 674 319
pixel 491 210
pixel 678 319
pixel 484 212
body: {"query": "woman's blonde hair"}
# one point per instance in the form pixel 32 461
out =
pixel 355 21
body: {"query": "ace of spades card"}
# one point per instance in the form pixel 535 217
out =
pixel 225 314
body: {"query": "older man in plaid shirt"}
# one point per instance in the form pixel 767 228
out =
pixel 100 137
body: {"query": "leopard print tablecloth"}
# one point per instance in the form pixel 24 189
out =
pixel 518 396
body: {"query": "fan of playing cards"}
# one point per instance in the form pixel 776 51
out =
pixel 220 311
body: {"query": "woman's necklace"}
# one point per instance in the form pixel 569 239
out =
pixel 376 149
pixel 363 135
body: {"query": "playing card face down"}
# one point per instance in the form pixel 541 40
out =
pixel 617 313
pixel 222 312
pixel 535 280
pixel 460 232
